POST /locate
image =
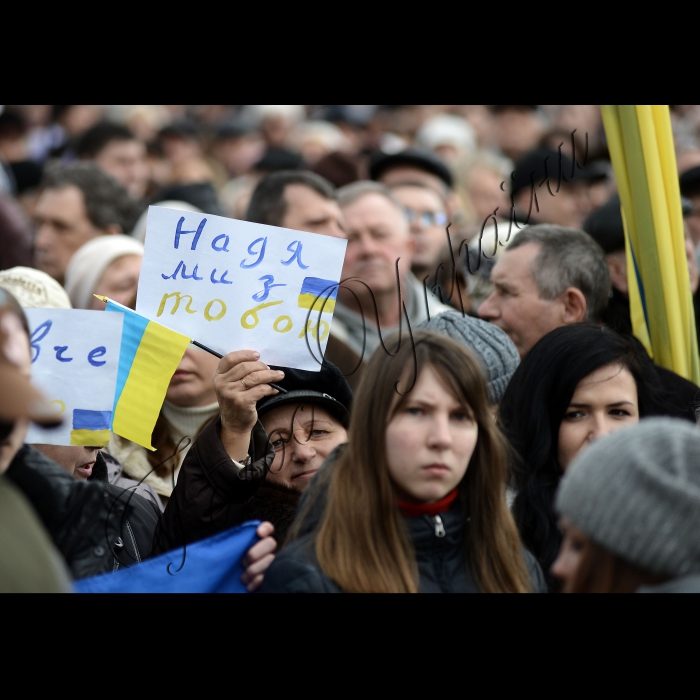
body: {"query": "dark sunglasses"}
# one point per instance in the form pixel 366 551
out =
pixel 427 218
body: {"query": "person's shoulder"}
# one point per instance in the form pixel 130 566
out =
pixel 30 562
pixel 134 502
pixel 537 579
pixel 296 570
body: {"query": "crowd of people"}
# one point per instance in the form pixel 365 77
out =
pixel 483 419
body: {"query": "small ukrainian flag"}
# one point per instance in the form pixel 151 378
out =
pixel 318 294
pixel 149 356
pixel 90 428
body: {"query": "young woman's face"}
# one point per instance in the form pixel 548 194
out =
pixel 605 401
pixel 429 442
pixel 569 556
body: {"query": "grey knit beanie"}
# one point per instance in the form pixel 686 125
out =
pixel 493 349
pixel 637 494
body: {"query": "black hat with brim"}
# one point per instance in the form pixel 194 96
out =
pixel 533 167
pixel 326 388
pixel 414 157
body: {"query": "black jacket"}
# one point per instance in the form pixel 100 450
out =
pixel 97 527
pixel 210 495
pixel 442 565
pixel 438 544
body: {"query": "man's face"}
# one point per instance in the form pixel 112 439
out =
pixel 427 223
pixel 307 210
pixel 517 131
pixel 515 304
pixel 62 227
pixel 377 236
pixel 77 461
pixel 303 435
pixel 126 161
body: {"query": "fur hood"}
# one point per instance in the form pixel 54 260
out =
pixel 135 464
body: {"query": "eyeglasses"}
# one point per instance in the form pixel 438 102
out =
pixel 427 218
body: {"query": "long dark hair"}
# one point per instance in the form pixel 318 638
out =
pixel 362 542
pixel 532 410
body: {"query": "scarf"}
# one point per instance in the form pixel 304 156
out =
pixel 415 510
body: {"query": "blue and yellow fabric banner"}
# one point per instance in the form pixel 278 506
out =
pixel 641 147
pixel 209 566
pixel 149 356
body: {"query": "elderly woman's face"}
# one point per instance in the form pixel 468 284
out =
pixel 119 281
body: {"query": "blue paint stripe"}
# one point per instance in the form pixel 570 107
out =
pixel 91 420
pixel 318 286
pixel 134 328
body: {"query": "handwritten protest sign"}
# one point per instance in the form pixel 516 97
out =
pixel 75 359
pixel 232 285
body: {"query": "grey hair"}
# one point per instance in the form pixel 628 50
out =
pixel 352 192
pixel 106 200
pixel 568 257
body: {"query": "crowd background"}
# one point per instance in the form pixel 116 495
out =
pixel 213 155
pixel 70 173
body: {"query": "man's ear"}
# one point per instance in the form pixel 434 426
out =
pixel 617 264
pixel 574 310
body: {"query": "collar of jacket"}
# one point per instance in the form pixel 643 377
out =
pixel 422 531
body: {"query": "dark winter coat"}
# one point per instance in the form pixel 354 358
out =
pixel 210 495
pixel 439 548
pixel 96 526
pixel 438 543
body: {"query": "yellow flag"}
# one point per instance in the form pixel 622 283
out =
pixel 661 304
pixel 149 356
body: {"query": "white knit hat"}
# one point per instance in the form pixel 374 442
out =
pixel 89 263
pixel 34 289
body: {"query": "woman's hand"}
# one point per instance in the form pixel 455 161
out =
pixel 240 381
pixel 259 557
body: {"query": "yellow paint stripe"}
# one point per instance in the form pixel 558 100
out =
pixel 306 301
pixel 89 438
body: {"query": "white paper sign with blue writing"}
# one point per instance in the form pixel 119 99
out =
pixel 233 285
pixel 75 358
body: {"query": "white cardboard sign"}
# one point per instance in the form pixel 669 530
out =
pixel 75 358
pixel 233 285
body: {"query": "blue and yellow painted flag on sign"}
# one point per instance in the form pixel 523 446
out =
pixel 661 305
pixel 90 427
pixel 318 294
pixel 149 356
